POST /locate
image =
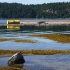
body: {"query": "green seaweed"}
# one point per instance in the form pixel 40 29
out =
pixel 62 38
pixel 34 52
pixel 17 40
pixel 11 68
pixel 25 41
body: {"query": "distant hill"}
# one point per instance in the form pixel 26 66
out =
pixel 50 10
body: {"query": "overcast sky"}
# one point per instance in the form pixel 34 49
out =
pixel 34 1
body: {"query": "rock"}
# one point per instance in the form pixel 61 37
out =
pixel 16 59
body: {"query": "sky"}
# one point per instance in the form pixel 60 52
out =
pixel 33 1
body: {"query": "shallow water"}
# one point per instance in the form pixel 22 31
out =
pixel 41 43
pixel 37 62
pixel 43 62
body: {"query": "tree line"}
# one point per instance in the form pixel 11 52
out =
pixel 49 10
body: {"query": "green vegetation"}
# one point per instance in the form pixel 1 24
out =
pixel 35 52
pixel 50 10
pixel 62 38
pixel 17 40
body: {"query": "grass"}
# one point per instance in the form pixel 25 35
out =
pixel 34 52
pixel 62 38
pixel 17 40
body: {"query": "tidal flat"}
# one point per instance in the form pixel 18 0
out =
pixel 34 52
pixel 37 59
pixel 62 38
pixel 41 62
pixel 17 40
pixel 48 49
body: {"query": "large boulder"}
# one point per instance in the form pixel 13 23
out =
pixel 16 59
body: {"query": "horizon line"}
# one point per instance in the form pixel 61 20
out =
pixel 35 4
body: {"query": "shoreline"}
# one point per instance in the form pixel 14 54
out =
pixel 45 23
pixel 38 23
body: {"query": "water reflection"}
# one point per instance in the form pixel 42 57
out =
pixel 40 43
pixel 13 27
pixel 39 28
